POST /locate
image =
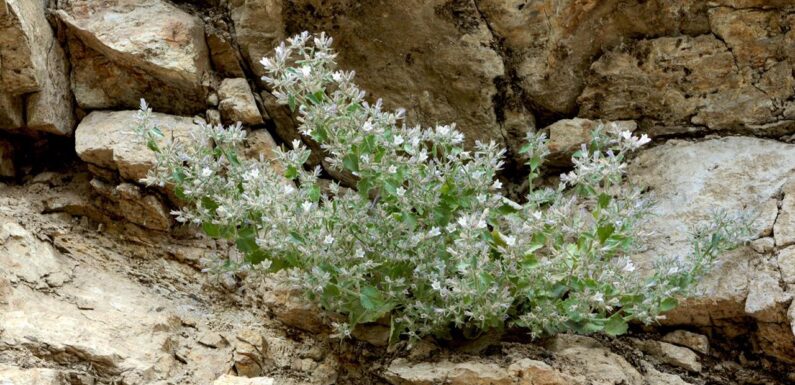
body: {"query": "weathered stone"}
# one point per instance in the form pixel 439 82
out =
pixel 767 301
pixel 675 81
pixel 259 27
pixel 123 51
pixel 694 341
pixel 250 353
pixel 34 64
pixel 106 139
pixel 291 308
pixel 656 377
pixel 6 159
pixel 552 43
pixel 134 205
pixel 589 362
pixel 36 376
pixel 786 264
pixel 531 372
pixel 784 228
pixel 25 258
pixel 670 354
pixel 689 182
pixel 754 36
pixel 373 333
pixel 224 56
pixel 233 380
pixel 764 245
pixel 401 372
pixel 434 58
pixel 566 136
pixel 237 103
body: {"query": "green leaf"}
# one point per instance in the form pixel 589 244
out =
pixel 291 172
pixel 247 239
pixel 314 193
pixel 604 200
pixel 668 304
pixel 291 102
pixel 212 230
pixel 317 97
pixel 605 232
pixel 616 325
pixel 209 203
pixel 351 162
pixel 370 298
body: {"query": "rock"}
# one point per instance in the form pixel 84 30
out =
pixel 105 139
pixel 670 354
pixel 566 136
pixel 784 228
pixel 122 51
pixel 552 46
pixel 25 258
pixel 293 309
pixel 212 340
pixel 250 353
pixel 36 376
pixel 7 168
pixel 767 301
pixel 213 117
pixel 223 54
pixel 132 204
pixel 755 36
pixel 588 362
pixel 259 27
pixel 233 380
pixel 237 103
pixel 764 245
pixel 644 82
pixel 694 341
pixel 34 65
pixel 689 182
pixel 531 372
pixel 786 264
pixel 656 377
pixel 435 58
pixel 401 372
pixel 372 333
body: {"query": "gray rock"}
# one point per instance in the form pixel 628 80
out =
pixel 237 103
pixel 694 341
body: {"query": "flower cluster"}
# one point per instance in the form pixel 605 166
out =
pixel 426 239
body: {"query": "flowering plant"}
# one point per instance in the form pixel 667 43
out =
pixel 426 239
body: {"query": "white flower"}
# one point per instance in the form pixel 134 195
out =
pixel 306 71
pixel 643 140
pixel 359 253
pixel 434 231
pixel 629 267
pixel 307 205
pixel 328 240
pixel 599 297
pixel 337 76
pixel 392 169
pixel 367 126
pixel 496 185
pixel 400 191
pixel 206 172
pixel 509 240
pixel 398 140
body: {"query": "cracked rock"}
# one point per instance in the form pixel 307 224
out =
pixel 237 102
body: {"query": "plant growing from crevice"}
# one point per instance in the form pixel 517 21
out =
pixel 426 239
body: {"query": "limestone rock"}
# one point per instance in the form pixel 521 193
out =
pixel 223 54
pixel 291 307
pixel 105 139
pixel 784 228
pixel 694 341
pixel 259 27
pixel 566 136
pixel 474 372
pixel 767 301
pixel 237 103
pixel 233 380
pixel 656 377
pixel 36 376
pixel 589 362
pixel 123 51
pixel 434 58
pixel 250 353
pixel 688 181
pixel 34 64
pixel 25 258
pixel 786 264
pixel 670 354
pixel 132 204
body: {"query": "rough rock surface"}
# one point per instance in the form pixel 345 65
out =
pixel 689 182
pixel 34 80
pixel 237 103
pixel 105 139
pixel 122 51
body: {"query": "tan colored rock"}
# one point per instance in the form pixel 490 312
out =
pixel 656 377
pixel 250 353
pixel 34 64
pixel 786 264
pixel 784 228
pixel 123 51
pixel 25 258
pixel 532 372
pixel 566 136
pixel 233 380
pixel 588 362
pixel 36 376
pixel 105 139
pixel 223 54
pixel 237 103
pixel 132 204
pixel 767 301
pixel 754 36
pixel 259 27
pixel 670 354
pixel 694 341
pixel 401 372
pixel 764 245
pixel 291 307
pixel 689 182
pixel 434 58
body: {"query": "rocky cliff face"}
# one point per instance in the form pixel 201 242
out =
pixel 711 81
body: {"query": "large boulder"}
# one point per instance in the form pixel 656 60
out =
pixel 689 182
pixel 122 51
pixel 34 79
pixel 106 139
